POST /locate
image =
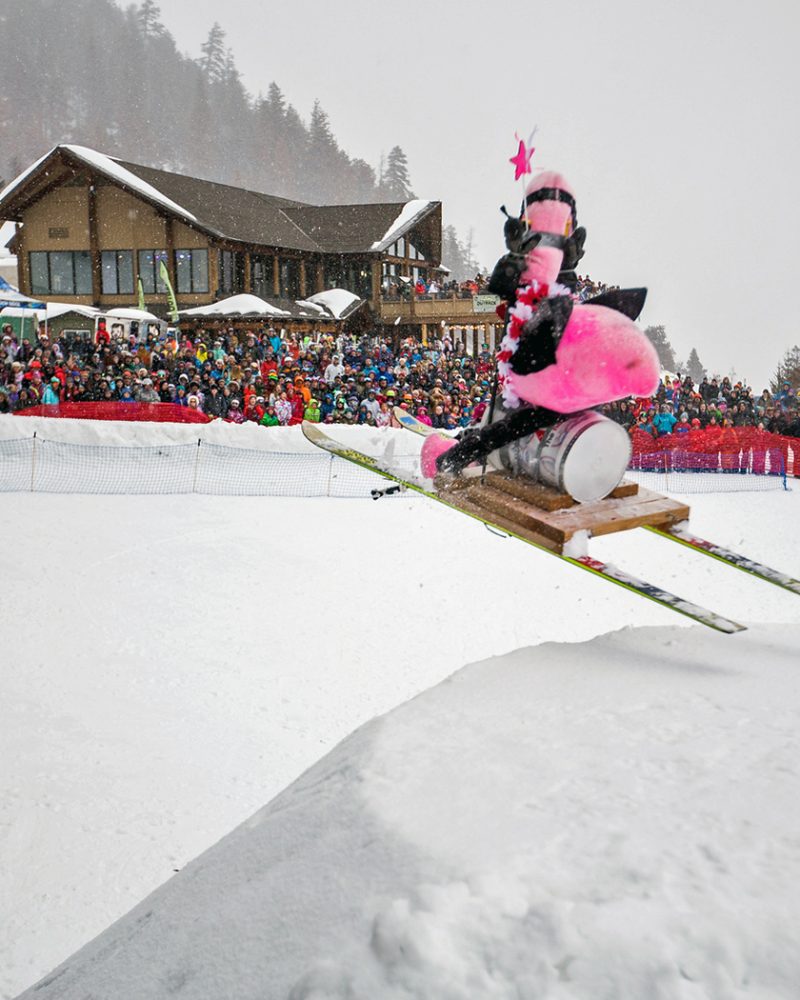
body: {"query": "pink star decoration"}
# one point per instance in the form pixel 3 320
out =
pixel 522 161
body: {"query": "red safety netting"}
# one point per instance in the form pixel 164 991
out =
pixel 169 413
pixel 712 448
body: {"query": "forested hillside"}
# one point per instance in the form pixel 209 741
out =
pixel 89 72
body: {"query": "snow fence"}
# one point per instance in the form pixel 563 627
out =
pixel 38 465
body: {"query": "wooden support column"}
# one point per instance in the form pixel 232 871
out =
pixel 94 245
pixel 320 277
pixel 276 276
pixel 23 262
pixel 302 278
pixel 248 274
pixel 376 281
pixel 169 236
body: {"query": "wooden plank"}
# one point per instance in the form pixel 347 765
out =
pixel 555 528
pixel 458 499
pixel 541 496
pixel 626 488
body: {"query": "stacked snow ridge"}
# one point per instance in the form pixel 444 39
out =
pixel 613 819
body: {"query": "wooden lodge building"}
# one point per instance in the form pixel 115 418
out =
pixel 93 227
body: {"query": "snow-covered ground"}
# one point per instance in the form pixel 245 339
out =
pixel 573 817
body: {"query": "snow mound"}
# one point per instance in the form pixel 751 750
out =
pixel 618 818
pixel 336 300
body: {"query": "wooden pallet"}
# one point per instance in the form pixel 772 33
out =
pixel 551 518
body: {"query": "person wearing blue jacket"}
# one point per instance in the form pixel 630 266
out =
pixel 664 421
pixel 50 396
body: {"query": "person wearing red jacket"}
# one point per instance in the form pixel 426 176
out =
pixel 298 404
pixel 729 447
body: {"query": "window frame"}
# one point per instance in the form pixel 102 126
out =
pixel 194 289
pixel 119 290
pixel 158 286
pixel 49 290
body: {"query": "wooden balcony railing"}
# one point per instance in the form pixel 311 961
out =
pixel 454 307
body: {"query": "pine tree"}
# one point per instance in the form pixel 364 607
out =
pixel 148 17
pixel 323 157
pixel 694 367
pixel 657 336
pixel 395 180
pixel 788 370
pixel 458 257
pixel 276 102
pixel 214 60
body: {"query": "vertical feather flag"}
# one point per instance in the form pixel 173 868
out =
pixel 173 302
pixel 141 295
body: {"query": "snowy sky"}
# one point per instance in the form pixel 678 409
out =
pixel 675 122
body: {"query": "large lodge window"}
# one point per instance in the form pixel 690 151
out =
pixel 262 276
pixel 355 276
pixel 149 271
pixel 61 272
pixel 191 270
pixel 117 272
pixel 231 272
pixel 290 278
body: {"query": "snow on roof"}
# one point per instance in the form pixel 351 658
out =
pixel 7 231
pixel 138 314
pixel 17 312
pixel 313 306
pixel 55 309
pixel 409 211
pixel 336 300
pixel 11 296
pixel 237 305
pixel 25 173
pixel 112 168
pixel 52 310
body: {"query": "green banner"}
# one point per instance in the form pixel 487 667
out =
pixel 163 272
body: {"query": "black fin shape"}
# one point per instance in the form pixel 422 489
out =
pixel 541 335
pixel 628 301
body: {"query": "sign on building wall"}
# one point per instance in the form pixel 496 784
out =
pixel 485 303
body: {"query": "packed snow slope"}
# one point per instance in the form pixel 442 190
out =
pixel 171 663
pixel 616 818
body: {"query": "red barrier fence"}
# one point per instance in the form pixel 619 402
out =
pixel 728 448
pixel 169 413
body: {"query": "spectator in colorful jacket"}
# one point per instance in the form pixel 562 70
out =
pixel 51 394
pixel 664 421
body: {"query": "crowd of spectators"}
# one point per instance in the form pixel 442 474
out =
pixel 281 379
pixel 435 288
pixel 682 405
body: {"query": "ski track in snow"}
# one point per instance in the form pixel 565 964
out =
pixel 174 662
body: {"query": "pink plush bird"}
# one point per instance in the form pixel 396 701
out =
pixel 557 356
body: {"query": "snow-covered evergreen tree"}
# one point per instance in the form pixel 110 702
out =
pixel 149 18
pixel 214 60
pixel 694 366
pixel 657 335
pixel 788 370
pixel 395 180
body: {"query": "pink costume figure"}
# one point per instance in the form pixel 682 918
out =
pixel 557 357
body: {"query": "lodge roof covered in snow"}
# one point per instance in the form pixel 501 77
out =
pixel 231 213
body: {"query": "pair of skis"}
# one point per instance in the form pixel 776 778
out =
pixel 606 571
